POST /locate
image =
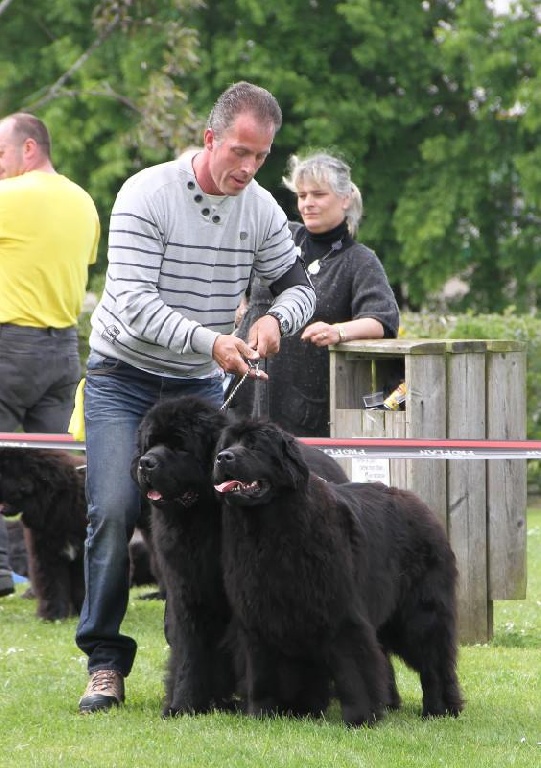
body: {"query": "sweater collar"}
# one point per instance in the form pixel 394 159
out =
pixel 315 245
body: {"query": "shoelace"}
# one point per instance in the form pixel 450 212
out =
pixel 105 678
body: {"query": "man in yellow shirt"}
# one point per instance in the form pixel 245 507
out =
pixel 49 232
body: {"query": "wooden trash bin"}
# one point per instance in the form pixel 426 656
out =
pixel 456 389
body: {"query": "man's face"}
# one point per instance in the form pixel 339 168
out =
pixel 238 154
pixel 12 162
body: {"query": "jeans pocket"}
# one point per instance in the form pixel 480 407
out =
pixel 100 364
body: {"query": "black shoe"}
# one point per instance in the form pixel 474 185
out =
pixel 104 690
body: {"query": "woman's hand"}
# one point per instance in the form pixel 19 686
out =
pixel 321 334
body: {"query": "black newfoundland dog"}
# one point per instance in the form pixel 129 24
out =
pixel 173 468
pixel 326 581
pixel 46 486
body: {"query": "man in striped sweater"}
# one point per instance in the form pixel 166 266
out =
pixel 184 237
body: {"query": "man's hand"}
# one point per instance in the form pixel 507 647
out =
pixel 264 336
pixel 231 354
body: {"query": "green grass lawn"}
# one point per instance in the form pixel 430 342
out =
pixel 42 675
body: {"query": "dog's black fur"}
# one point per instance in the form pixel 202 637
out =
pixel 173 468
pixel 48 489
pixel 326 581
pixel 17 556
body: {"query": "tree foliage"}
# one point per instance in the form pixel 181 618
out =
pixel 436 104
pixel 107 79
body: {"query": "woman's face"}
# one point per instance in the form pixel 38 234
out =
pixel 321 208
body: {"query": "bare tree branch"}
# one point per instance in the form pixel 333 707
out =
pixel 54 90
pixel 4 5
pixel 106 93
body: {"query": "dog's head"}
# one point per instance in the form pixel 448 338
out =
pixel 257 461
pixel 176 443
pixel 17 484
pixel 36 482
pixel 14 494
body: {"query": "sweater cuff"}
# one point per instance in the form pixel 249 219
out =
pixel 203 340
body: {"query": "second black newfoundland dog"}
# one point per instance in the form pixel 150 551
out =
pixel 48 489
pixel 173 467
pixel 45 490
pixel 327 581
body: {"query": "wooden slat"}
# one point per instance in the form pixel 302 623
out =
pixel 507 483
pixel 426 409
pixel 466 490
pixel 397 427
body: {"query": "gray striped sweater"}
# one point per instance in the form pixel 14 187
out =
pixel 178 262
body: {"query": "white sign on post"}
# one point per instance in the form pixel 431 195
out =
pixel 367 470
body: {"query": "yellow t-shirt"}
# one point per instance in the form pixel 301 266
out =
pixel 49 232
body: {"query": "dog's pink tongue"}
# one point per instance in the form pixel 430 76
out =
pixel 227 486
pixel 154 495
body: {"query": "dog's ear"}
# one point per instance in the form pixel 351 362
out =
pixel 292 451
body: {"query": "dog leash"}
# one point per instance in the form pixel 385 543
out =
pixel 261 397
pixel 252 365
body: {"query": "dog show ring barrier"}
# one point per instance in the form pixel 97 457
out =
pixel 459 443
pixel 455 391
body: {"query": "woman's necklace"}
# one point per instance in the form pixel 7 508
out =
pixel 315 266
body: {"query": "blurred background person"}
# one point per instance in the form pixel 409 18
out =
pixel 354 299
pixel 49 232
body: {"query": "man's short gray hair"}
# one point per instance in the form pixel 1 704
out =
pixel 240 98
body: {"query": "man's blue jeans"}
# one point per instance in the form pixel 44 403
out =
pixel 116 398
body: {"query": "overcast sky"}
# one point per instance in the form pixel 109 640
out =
pixel 501 5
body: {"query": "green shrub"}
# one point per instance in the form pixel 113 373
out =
pixel 83 331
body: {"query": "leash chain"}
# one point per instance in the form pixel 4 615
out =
pixel 239 384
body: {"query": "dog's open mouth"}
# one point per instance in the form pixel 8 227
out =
pixel 254 490
pixel 186 499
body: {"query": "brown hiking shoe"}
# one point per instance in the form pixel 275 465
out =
pixel 105 689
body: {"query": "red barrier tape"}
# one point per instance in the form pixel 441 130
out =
pixel 385 447
pixel 30 440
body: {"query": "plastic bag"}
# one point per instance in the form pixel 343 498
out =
pixel 77 422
